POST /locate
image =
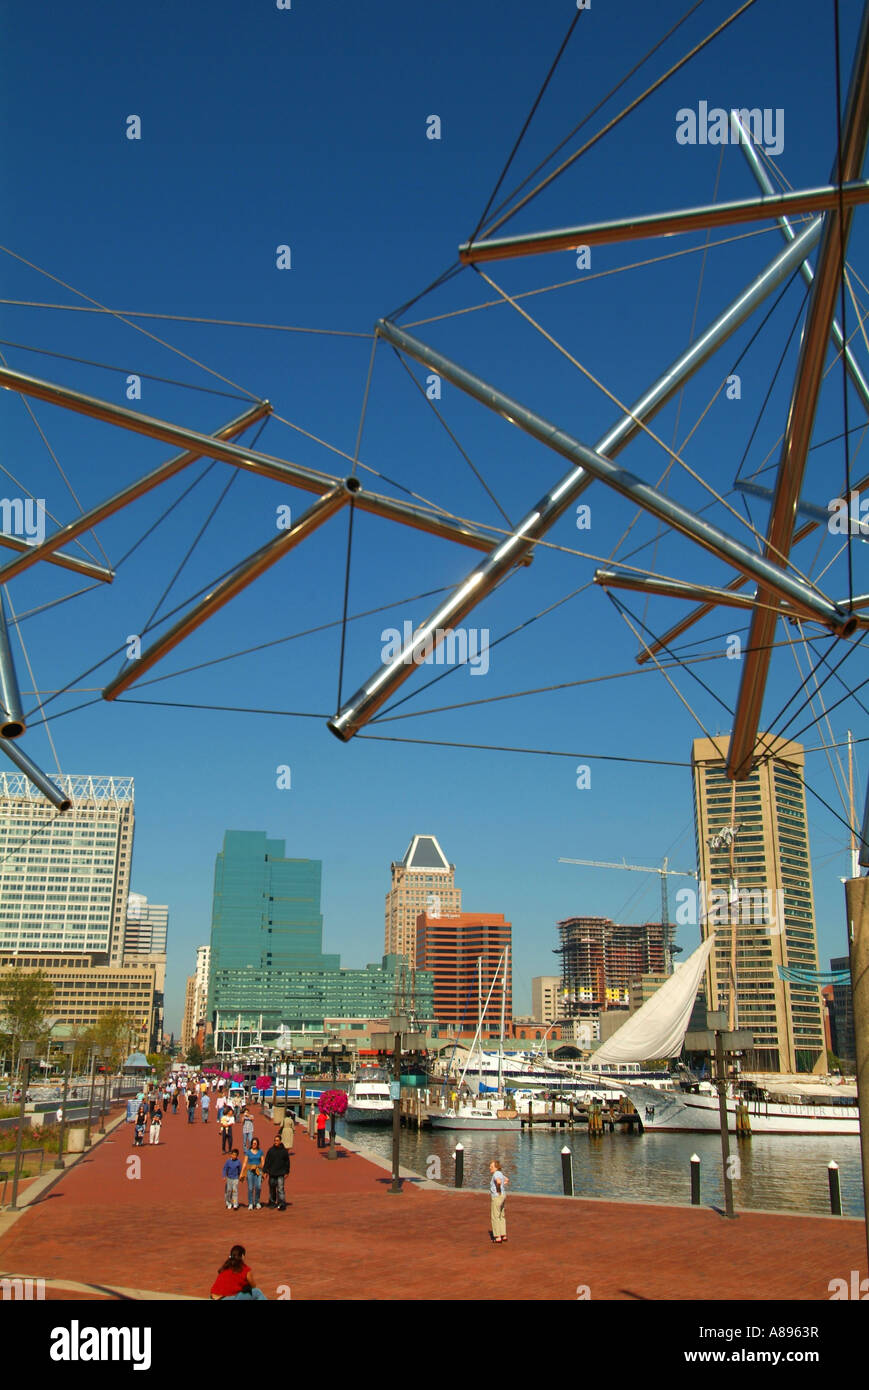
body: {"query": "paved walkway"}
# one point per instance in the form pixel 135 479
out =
pixel 344 1236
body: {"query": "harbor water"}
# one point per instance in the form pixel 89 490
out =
pixel 773 1172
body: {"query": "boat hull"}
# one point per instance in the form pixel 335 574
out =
pixel 368 1114
pixel 675 1111
pixel 480 1122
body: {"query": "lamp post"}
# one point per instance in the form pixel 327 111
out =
pixel 26 1053
pixel 106 1056
pixel 69 1051
pixel 88 1141
pixel 717 1038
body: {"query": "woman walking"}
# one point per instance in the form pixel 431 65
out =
pixel 139 1128
pixel 156 1122
pixel 254 1158
pixel 234 1279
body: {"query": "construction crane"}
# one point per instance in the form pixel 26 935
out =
pixel 664 873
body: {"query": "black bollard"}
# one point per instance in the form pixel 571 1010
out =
pixel 835 1189
pixel 695 1180
pixel 460 1164
pixel 567 1171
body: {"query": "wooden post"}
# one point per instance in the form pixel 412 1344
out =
pixel 857 903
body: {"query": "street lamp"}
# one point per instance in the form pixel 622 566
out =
pixel 69 1051
pixel 106 1056
pixel 26 1053
pixel 88 1141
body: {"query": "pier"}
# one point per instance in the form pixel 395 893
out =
pixel 94 1231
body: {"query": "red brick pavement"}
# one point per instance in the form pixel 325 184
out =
pixel 344 1236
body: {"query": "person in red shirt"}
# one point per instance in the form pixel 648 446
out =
pixel 234 1279
pixel 321 1131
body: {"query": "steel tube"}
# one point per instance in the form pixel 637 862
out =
pixel 256 564
pixel 801 416
pixel 588 464
pixel 34 774
pixel 123 498
pixel 12 724
pixel 205 445
pixel 771 204
pixel 674 588
pixel 765 183
pixel 88 568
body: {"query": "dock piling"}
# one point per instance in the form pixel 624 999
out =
pixel 460 1164
pixel 835 1189
pixel 695 1180
pixel 567 1171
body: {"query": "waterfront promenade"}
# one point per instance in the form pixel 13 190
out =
pixel 345 1236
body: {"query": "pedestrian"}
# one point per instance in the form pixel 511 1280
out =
pixel 191 1107
pixel 276 1167
pixel 231 1175
pixel 204 1104
pixel 219 1104
pixel 288 1130
pixel 156 1122
pixel 498 1194
pixel 321 1131
pixel 152 1102
pixel 139 1128
pixel 234 1279
pixel 246 1127
pixel 254 1158
pixel 225 1129
pixel 166 1101
pixel 175 1101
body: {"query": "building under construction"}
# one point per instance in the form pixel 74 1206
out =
pixel 600 958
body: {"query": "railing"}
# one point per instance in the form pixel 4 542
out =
pixel 4 1177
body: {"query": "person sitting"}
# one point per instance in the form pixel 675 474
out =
pixel 234 1279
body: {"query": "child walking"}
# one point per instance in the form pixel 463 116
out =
pixel 231 1175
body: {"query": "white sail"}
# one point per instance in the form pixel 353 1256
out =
pixel 658 1028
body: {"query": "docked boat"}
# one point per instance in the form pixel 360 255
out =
pixel 480 1113
pixel 369 1101
pixel 804 1110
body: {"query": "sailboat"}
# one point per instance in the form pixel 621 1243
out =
pixel 776 1106
pixel 483 1112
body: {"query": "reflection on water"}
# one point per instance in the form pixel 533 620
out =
pixel 782 1173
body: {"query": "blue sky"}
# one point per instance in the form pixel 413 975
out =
pixel 263 127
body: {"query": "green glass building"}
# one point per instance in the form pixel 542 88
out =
pixel 268 972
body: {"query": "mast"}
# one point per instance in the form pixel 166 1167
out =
pixel 505 958
pixel 855 858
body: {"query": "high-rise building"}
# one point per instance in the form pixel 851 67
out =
pixel 266 925
pixel 546 992
pixel 600 958
pixel 64 880
pixel 464 951
pixel 188 1027
pixel 423 881
pixel 843 1016
pixel 146 927
pixel 756 895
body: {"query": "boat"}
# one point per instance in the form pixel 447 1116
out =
pixel 763 1111
pixel 478 1113
pixel 369 1100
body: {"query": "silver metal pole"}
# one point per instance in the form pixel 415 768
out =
pixel 673 588
pixel 773 204
pixel 255 565
pixel 11 708
pixel 123 498
pixel 205 445
pixel 801 417
pixel 765 182
pixel 34 774
pixel 588 464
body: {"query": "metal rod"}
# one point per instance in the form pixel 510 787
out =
pixel 251 569
pixel 34 774
pixel 588 464
pixel 801 415
pixel 772 204
pixel 766 494
pixel 12 723
pixel 765 183
pixel 674 588
pixel 123 498
pixel 88 568
pixel 204 445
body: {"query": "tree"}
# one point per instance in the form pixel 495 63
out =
pixel 208 1049
pixel 25 996
pixel 194 1055
pixel 112 1033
